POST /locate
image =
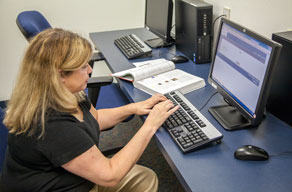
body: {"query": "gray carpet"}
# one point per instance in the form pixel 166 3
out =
pixel 151 158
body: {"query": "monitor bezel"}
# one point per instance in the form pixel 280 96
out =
pixel 167 37
pixel 263 96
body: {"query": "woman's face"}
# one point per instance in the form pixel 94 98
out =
pixel 77 80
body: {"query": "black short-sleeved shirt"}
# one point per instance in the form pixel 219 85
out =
pixel 33 164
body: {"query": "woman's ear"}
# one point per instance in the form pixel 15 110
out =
pixel 62 76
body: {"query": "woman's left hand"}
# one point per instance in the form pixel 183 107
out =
pixel 144 107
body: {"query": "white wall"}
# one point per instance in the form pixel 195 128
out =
pixel 263 16
pixel 84 16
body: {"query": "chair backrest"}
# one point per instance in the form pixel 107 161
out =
pixel 3 138
pixel 31 23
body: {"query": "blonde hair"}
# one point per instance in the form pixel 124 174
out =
pixel 38 87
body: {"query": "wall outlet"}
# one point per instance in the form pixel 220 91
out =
pixel 226 11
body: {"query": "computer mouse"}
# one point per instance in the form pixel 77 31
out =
pixel 251 153
pixel 179 59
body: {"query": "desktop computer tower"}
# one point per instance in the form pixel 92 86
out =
pixel 280 98
pixel 193 23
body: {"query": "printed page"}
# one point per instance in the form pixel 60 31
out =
pixel 145 69
pixel 169 81
pixel 130 74
pixel 150 62
pixel 153 69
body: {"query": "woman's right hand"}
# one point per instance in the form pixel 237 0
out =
pixel 160 113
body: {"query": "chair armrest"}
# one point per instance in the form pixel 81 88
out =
pixel 95 82
pixel 93 87
pixel 97 56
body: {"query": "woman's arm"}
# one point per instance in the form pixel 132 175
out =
pixel 93 166
pixel 108 118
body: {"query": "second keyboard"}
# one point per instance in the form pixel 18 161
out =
pixel 132 46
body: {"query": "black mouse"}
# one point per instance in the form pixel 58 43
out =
pixel 179 59
pixel 252 153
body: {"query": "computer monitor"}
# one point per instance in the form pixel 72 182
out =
pixel 241 71
pixel 158 19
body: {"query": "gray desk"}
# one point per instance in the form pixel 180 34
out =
pixel 213 168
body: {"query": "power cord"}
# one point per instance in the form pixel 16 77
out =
pixel 213 24
pixel 282 154
pixel 208 100
pixel 213 29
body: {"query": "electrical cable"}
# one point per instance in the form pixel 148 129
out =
pixel 212 30
pixel 213 24
pixel 208 100
pixel 282 154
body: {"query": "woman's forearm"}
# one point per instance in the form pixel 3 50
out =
pixel 108 118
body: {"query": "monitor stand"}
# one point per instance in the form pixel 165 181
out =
pixel 229 117
pixel 158 42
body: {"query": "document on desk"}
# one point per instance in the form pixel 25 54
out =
pixel 160 76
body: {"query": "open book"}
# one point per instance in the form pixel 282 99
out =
pixel 160 76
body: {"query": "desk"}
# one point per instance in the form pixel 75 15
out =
pixel 213 168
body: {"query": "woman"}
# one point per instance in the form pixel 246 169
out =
pixel 54 130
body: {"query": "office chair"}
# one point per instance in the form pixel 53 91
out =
pixel 31 23
pixel 101 89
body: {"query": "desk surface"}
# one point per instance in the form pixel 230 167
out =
pixel 212 168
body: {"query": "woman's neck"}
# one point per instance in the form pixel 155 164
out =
pixel 79 114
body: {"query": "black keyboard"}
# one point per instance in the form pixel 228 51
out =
pixel 132 46
pixel 187 126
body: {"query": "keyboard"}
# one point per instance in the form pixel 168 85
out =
pixel 187 126
pixel 132 46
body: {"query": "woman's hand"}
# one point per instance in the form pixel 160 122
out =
pixel 144 107
pixel 159 114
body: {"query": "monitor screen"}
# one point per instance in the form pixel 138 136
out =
pixel 158 18
pixel 242 69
